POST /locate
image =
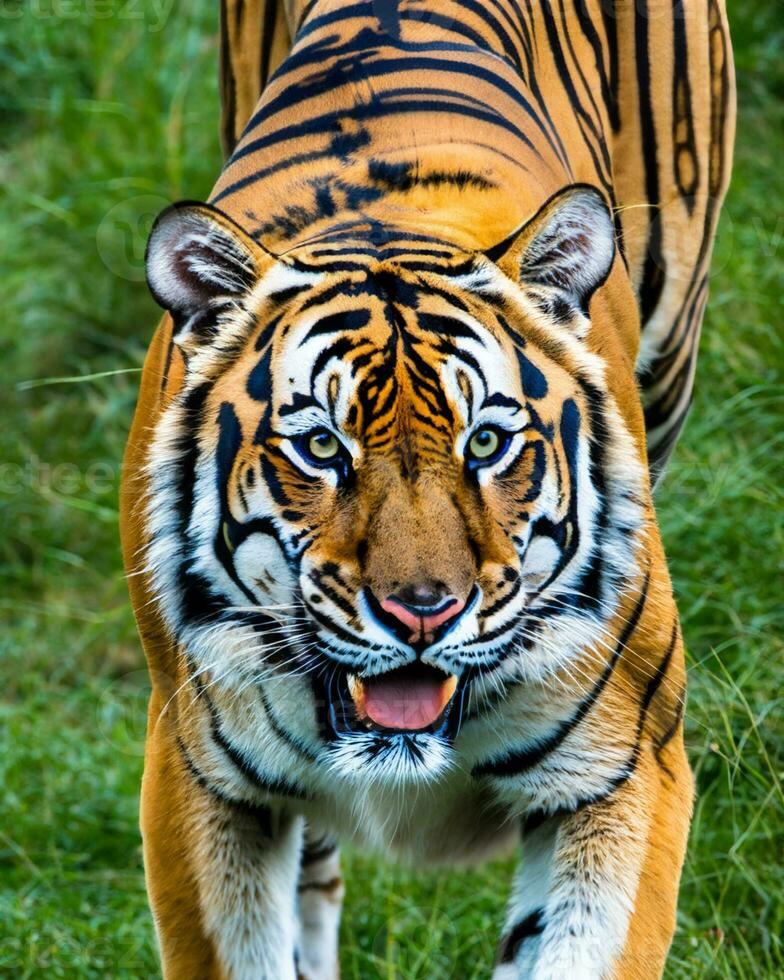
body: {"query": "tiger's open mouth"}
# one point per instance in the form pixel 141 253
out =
pixel 411 699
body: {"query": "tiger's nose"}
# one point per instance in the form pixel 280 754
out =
pixel 416 611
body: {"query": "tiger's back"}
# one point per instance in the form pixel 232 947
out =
pixel 635 98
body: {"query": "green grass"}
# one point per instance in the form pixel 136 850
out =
pixel 101 122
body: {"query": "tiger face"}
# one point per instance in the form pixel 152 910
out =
pixel 396 474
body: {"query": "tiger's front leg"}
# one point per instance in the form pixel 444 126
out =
pixel 595 895
pixel 221 873
pixel 320 893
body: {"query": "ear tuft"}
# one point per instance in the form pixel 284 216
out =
pixel 198 260
pixel 565 252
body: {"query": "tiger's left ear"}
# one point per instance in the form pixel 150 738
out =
pixel 200 262
pixel 564 253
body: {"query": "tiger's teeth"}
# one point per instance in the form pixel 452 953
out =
pixel 450 686
pixel 357 691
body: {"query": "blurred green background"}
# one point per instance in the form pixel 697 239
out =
pixel 108 110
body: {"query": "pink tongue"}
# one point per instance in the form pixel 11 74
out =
pixel 404 703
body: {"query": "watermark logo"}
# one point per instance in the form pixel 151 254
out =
pixel 62 479
pixel 122 708
pixel 121 237
pixel 152 13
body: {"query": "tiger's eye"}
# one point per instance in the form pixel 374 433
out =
pixel 484 443
pixel 323 445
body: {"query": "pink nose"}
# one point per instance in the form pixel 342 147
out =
pixel 420 618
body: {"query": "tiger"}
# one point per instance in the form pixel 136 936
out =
pixel 387 510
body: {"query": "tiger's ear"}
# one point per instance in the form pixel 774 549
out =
pixel 564 253
pixel 198 262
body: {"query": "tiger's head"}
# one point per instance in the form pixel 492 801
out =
pixel 393 468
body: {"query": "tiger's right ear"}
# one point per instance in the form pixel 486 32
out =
pixel 198 262
pixel 563 254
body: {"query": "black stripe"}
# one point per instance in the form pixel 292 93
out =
pixel 653 685
pixel 510 51
pixel 517 762
pixel 293 741
pixel 608 85
pixel 514 25
pixel 450 24
pixel 337 323
pixel 306 11
pixel 584 121
pixel 321 886
pixel 653 270
pixel 317 577
pixel 330 625
pixel 411 64
pixel 262 781
pixel 596 123
pixel 447 326
pixel 259 812
pixel 682 114
pixel 228 86
pixel 339 16
pixel 609 19
pixel 530 926
pixel 267 39
pixel 318 850
pixel 388 17
pixel 669 734
pixel 187 452
pixel 167 365
pixel 627 769
pixel 533 820
pixel 380 108
pixel 530 47
pixel 503 601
